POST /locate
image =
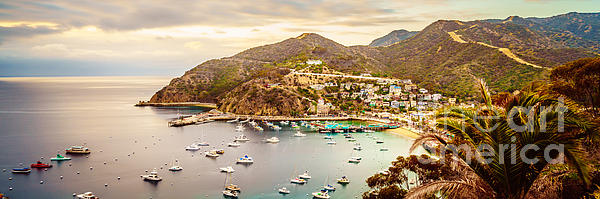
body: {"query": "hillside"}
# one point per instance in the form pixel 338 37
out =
pixel 393 37
pixel 443 57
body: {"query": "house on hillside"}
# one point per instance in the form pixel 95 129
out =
pixel 317 86
pixel 314 62
pixel 422 90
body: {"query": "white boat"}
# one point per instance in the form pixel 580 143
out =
pixel 284 190
pixel 252 123
pixel 298 181
pixel 273 140
pixel 245 160
pixel 321 194
pixel 230 194
pixel 357 147
pixel 331 142
pixel 211 154
pixel 379 141
pixel 329 187
pixel 153 176
pixel 175 166
pixel 369 131
pixel 233 144
pixel 343 180
pixel 228 169
pixel 275 127
pixel 299 134
pixel 241 138
pixel 86 195
pixel 351 140
pixel 353 160
pixel 192 147
pixel 284 123
pixel 304 175
pixel 258 128
pixel 328 137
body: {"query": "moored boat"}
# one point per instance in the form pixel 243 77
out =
pixel 245 160
pixel 21 170
pixel 86 195
pixel 299 134
pixel 39 164
pixel 59 158
pixel 78 150
pixel 321 194
pixel 305 175
pixel 343 180
pixel 211 154
pixel 273 140
pixel 298 180
pixel 284 190
pixel 228 169
pixel 152 177
pixel 233 144
pixel 241 138
pixel 230 194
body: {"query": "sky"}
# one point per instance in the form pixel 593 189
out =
pixel 166 38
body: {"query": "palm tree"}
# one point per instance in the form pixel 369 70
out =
pixel 518 120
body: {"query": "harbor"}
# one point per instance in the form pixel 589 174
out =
pixel 127 142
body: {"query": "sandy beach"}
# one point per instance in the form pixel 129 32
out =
pixel 403 132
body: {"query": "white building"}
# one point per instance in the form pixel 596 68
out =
pixel 314 62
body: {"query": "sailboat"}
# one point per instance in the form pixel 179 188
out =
pixel 175 166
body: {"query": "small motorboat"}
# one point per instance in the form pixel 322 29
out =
pixel 232 187
pixel 175 166
pixel 384 149
pixel 321 194
pixel 233 144
pixel 241 138
pixel 245 160
pixel 211 154
pixel 86 195
pixel 351 140
pixel 379 141
pixel 192 147
pixel 230 194
pixel 152 177
pixel 228 169
pixel 299 134
pixel 358 147
pixel 78 150
pixel 331 142
pixel 60 158
pixel 328 137
pixel 39 164
pixel 353 160
pixel 284 190
pixel 273 140
pixel 343 180
pixel 220 151
pixel 298 181
pixel 329 187
pixel 21 170
pixel 305 175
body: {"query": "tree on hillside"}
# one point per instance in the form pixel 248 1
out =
pixel 492 172
pixel 580 81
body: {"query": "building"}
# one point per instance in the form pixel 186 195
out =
pixel 436 97
pixel 317 86
pixel 314 62
pixel 396 90
pixel 452 100
pixel 422 90
pixel 395 104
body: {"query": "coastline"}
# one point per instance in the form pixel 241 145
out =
pixel 403 132
pixel 199 104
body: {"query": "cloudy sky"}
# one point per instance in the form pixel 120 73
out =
pixel 91 37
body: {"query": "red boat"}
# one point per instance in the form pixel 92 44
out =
pixel 40 165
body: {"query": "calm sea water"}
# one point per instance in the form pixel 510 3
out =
pixel 41 116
